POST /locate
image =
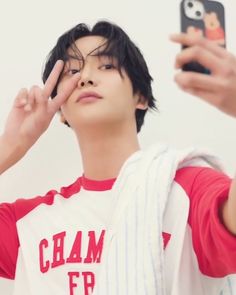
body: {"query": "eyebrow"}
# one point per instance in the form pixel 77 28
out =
pixel 76 57
pixel 95 54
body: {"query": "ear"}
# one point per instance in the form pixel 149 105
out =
pixel 142 103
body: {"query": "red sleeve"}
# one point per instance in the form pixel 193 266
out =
pixel 213 244
pixel 9 242
pixel 10 213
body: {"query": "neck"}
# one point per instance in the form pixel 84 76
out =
pixel 104 153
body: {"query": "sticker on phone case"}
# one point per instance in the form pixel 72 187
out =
pixel 213 28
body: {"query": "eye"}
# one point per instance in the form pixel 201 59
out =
pixel 107 67
pixel 71 72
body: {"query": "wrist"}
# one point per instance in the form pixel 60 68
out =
pixel 11 151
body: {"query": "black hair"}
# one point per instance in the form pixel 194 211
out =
pixel 119 46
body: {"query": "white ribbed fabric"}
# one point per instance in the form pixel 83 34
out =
pixel 133 248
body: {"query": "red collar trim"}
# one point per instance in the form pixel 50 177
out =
pixel 97 185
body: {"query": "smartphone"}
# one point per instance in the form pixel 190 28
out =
pixel 203 18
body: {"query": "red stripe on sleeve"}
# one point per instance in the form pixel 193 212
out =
pixel 213 244
pixel 10 214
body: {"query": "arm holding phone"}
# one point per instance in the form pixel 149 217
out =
pixel 218 89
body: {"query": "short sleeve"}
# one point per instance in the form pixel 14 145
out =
pixel 213 244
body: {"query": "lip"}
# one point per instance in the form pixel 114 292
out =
pixel 88 94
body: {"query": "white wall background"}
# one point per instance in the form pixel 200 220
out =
pixel 29 29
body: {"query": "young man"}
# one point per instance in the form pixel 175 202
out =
pixel 154 222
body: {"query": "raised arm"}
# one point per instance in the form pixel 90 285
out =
pixel 218 89
pixel 30 117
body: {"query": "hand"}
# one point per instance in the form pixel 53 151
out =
pixel 32 110
pixel 219 88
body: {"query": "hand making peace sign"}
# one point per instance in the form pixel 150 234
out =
pixel 33 111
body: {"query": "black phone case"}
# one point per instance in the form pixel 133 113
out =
pixel 211 27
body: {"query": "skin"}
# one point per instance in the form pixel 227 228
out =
pixel 105 128
pixel 217 89
pixel 30 116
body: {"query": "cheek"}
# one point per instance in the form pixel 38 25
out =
pixel 67 114
pixel 65 108
pixel 123 86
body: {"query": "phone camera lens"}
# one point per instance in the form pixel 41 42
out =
pixel 190 4
pixel 198 13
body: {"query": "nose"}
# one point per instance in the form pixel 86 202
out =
pixel 87 78
pixel 83 83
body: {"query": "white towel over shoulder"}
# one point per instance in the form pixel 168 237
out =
pixel 133 247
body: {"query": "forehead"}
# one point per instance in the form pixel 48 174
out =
pixel 89 45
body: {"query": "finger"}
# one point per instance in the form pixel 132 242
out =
pixel 207 96
pixel 31 99
pixel 191 80
pixel 53 78
pixel 64 93
pixel 21 98
pixel 41 102
pixel 226 106
pixel 188 40
pixel 213 100
pixel 202 56
pixel 210 89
